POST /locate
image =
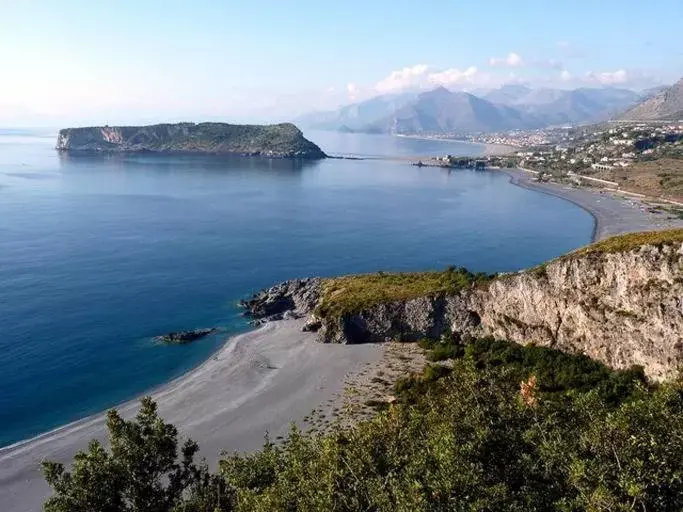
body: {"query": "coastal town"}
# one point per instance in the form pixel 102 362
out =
pixel 641 158
pixel 603 148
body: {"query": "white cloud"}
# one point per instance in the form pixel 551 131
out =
pixel 402 79
pixel 620 76
pixel 421 76
pixel 353 90
pixel 513 60
pixel 566 76
pixel 563 44
pixel 453 76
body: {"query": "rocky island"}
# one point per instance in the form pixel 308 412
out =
pixel 271 141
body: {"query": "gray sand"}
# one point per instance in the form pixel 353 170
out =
pixel 258 382
pixel 263 380
pixel 613 214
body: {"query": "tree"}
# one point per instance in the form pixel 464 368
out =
pixel 141 472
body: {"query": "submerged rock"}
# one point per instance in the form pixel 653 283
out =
pixel 180 337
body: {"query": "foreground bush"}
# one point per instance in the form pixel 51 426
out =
pixel 140 472
pixel 487 434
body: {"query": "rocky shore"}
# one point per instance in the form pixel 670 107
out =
pixel 291 299
pixel 618 301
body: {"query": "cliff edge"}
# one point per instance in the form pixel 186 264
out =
pixel 619 301
pixel 272 141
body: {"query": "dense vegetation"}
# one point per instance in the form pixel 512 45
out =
pixel 501 427
pixel 556 372
pixel 350 294
pixel 277 140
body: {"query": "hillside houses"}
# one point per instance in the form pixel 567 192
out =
pixel 617 146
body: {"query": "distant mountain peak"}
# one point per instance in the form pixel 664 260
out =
pixel 511 106
pixel 438 91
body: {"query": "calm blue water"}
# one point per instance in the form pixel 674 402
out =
pixel 98 255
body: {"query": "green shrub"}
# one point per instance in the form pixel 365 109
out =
pixel 444 351
pixel 578 437
pixel 555 370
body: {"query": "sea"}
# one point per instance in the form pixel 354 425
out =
pixel 100 254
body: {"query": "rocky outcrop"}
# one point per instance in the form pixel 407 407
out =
pixel 272 141
pixel 180 337
pixel 291 299
pixel 621 308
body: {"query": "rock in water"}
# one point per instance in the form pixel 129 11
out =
pixel 180 337
pixel 271 141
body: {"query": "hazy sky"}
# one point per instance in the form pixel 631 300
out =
pixel 79 62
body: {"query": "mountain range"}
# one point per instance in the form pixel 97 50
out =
pixel 664 104
pixel 509 107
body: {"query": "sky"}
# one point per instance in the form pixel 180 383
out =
pixel 73 62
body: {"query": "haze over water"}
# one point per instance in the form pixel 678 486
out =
pixel 100 254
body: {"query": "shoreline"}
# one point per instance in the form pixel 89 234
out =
pixel 613 214
pixel 490 149
pixel 519 181
pixel 262 380
pixel 257 382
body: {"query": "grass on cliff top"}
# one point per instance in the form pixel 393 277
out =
pixel 631 241
pixel 350 294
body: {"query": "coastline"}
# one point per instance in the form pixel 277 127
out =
pixel 260 381
pixel 264 379
pixel 489 148
pixel 613 214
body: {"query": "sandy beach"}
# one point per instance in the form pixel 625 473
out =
pixel 614 214
pixel 263 380
pixel 258 382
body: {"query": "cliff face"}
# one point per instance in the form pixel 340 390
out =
pixel 621 308
pixel 273 141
